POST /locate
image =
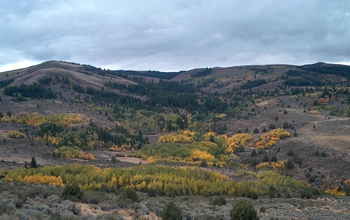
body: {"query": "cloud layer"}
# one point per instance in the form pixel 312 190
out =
pixel 174 34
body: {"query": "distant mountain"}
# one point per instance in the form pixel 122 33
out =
pixel 218 79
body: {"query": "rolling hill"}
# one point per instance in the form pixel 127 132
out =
pixel 243 124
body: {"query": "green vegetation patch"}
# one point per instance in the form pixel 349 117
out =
pixel 193 153
pixel 68 152
pixel 162 180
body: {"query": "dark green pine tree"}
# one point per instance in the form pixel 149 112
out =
pixel 33 163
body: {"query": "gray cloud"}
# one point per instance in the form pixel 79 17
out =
pixel 175 35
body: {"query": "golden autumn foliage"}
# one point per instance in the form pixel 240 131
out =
pixel 117 149
pixel 73 152
pixel 340 191
pixel 207 136
pixel 238 140
pixel 314 112
pixel 37 119
pixel 271 138
pixel 184 136
pixel 15 134
pixel 49 139
pixel 88 156
pixel 274 165
pixel 335 192
pixel 161 179
pixel 192 153
pixel 202 155
pixel 42 179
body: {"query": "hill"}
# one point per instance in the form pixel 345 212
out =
pixel 255 128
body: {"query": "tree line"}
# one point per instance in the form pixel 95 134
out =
pixel 35 91
pixel 159 96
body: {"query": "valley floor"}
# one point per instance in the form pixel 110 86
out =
pixel 45 202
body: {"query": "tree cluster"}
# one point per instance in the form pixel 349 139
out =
pixel 162 180
pixel 35 91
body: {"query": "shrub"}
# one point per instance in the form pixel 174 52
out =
pixel 252 195
pixel 92 197
pixel 272 194
pixel 203 163
pixel 256 130
pixel 272 126
pixel 114 160
pixel 171 212
pixel 219 201
pixel 297 159
pixel 253 163
pixel 290 153
pixel 7 208
pixel 152 192
pixel 262 209
pixel 266 158
pixel 72 192
pixel 312 179
pixel 290 164
pixel 253 154
pixel 274 159
pixel 130 194
pixel 243 210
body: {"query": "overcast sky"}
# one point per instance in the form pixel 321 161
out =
pixel 173 34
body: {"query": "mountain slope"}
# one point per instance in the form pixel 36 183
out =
pixel 189 118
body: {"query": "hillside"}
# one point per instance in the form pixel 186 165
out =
pixel 274 132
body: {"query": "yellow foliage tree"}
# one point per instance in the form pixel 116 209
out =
pixel 238 140
pixel 39 178
pixel 270 139
pixel 15 134
pixel 163 179
pixel 185 136
pixel 36 119
pixel 335 192
pixel 274 165
pixel 207 136
pixel 202 155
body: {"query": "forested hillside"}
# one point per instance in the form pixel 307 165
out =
pixel 275 131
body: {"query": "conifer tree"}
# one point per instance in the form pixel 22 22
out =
pixel 33 163
pixel 243 210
